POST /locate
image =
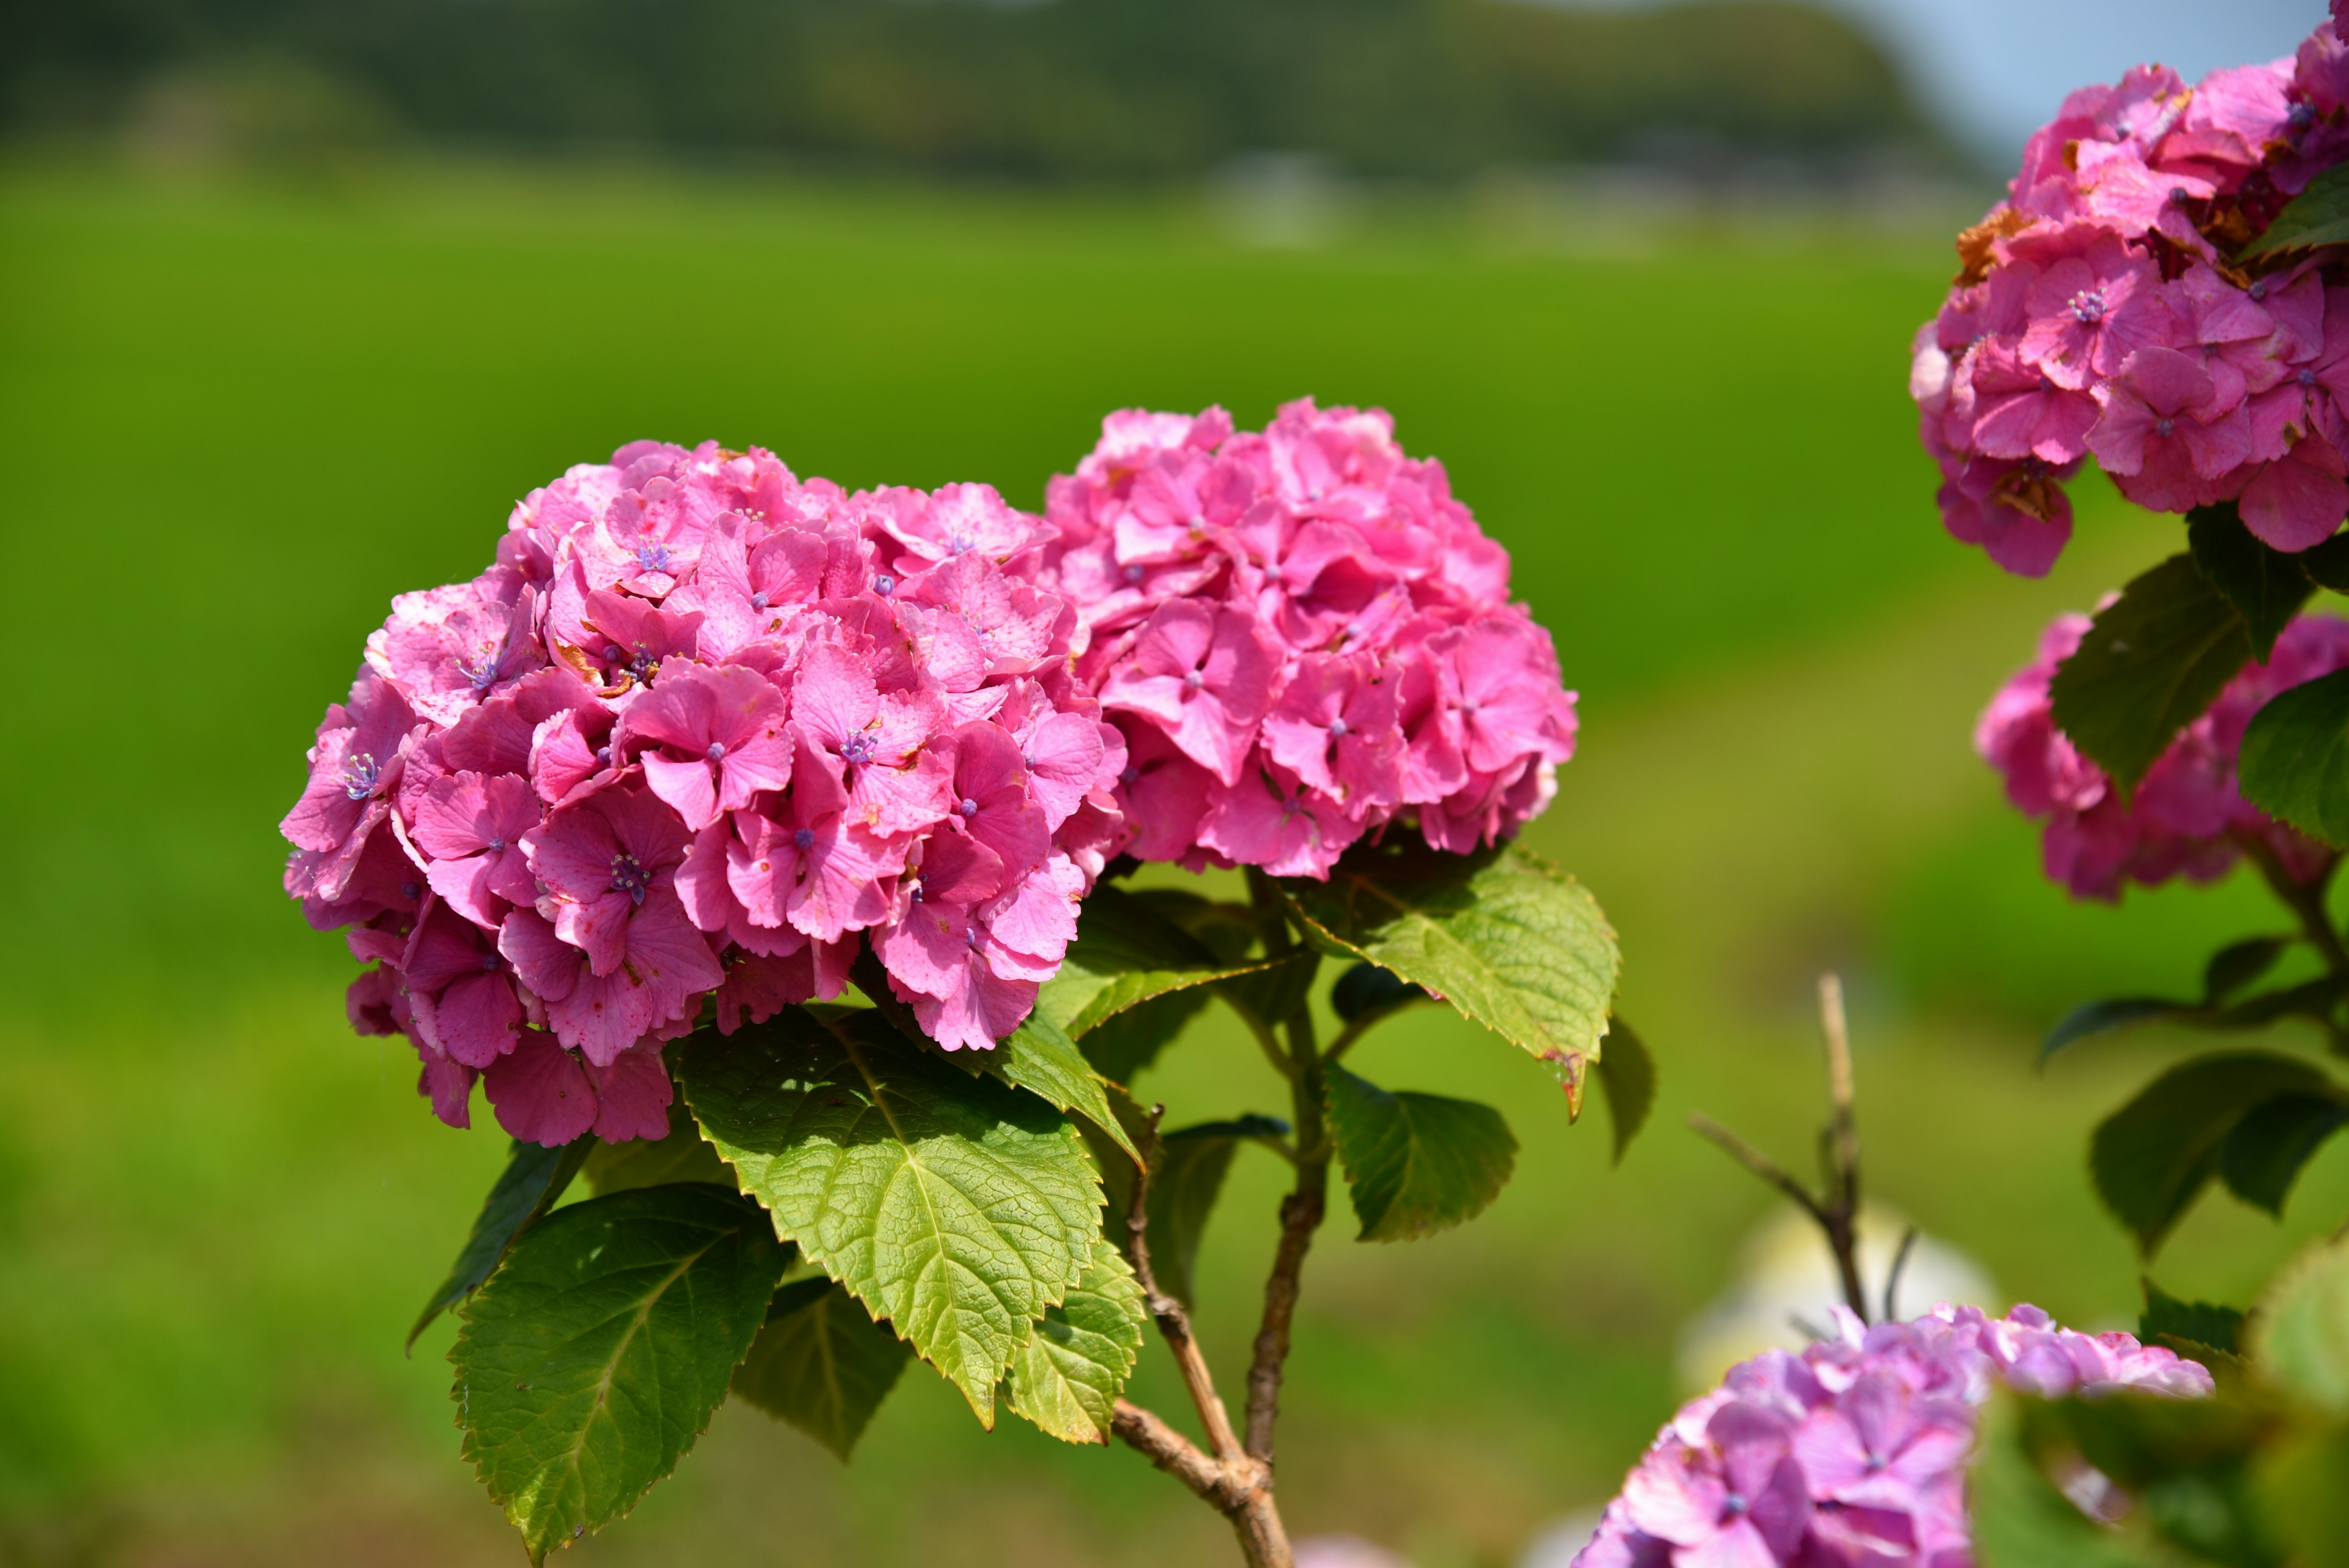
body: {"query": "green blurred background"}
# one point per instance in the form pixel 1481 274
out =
pixel 245 408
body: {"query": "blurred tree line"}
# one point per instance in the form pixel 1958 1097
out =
pixel 1101 88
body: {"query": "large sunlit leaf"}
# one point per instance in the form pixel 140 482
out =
pixel 2294 762
pixel 2148 667
pixel 2152 1158
pixel 593 1358
pixel 1039 1058
pixel 2300 1330
pixel 821 1363
pixel 1126 953
pixel 1417 1164
pixel 1502 935
pixel 2266 586
pixel 533 1180
pixel 953 1205
pixel 1067 1378
pixel 2318 217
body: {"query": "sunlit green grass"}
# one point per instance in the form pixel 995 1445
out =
pixel 243 417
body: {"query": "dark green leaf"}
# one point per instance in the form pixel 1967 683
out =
pixel 2266 586
pixel 1185 1182
pixel 1126 951
pixel 533 1180
pixel 954 1207
pixel 1502 935
pixel 683 1156
pixel 2262 1157
pixel 1365 991
pixel 2176 1323
pixel 2318 217
pixel 1228 930
pixel 1272 993
pixel 2300 1330
pixel 2295 758
pixel 2100 1017
pixel 1627 1077
pixel 2151 1159
pixel 1122 1045
pixel 592 1359
pixel 1417 1164
pixel 2327 565
pixel 1117 1170
pixel 1067 1378
pixel 821 1363
pixel 2148 667
pixel 2235 966
pixel 2314 999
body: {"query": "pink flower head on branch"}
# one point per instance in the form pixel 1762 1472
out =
pixel 2187 817
pixel 699 733
pixel 1301 636
pixel 2100 310
pixel 1854 1452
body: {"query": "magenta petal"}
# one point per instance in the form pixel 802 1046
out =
pixel 540 1092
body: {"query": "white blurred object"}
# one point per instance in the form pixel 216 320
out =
pixel 1556 1546
pixel 1786 1279
pixel 1281 199
pixel 1345 1551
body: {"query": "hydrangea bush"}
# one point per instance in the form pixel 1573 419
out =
pixel 768 855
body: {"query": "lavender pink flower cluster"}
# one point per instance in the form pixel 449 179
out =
pixel 705 733
pixel 2187 817
pixel 1302 636
pixel 2100 312
pixel 1854 1452
pixel 701 731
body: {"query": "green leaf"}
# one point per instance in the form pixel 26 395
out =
pixel 2180 1323
pixel 1366 991
pixel 683 1156
pixel 533 1180
pixel 2265 585
pixel 1067 1378
pixel 2021 1520
pixel 1627 1077
pixel 2313 1000
pixel 1122 1045
pixel 2262 1157
pixel 2295 758
pixel 1041 1059
pixel 2235 966
pixel 954 1206
pixel 2299 1487
pixel 1502 935
pixel 2152 1158
pixel 592 1359
pixel 1416 1163
pixel 1184 1181
pixel 2327 565
pixel 2148 667
pixel 821 1363
pixel 2318 217
pixel 1118 1171
pixel 2299 1329
pixel 1274 992
pixel 2101 1017
pixel 1126 953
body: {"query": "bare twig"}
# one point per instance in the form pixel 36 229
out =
pixel 1300 1215
pixel 1760 1164
pixel 1899 1266
pixel 2305 900
pixel 1174 1323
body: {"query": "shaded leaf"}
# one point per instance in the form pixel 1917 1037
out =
pixel 1184 1183
pixel 2235 966
pixel 2262 1157
pixel 952 1205
pixel 2294 762
pixel 1417 1164
pixel 2102 1017
pixel 2148 667
pixel 2265 585
pixel 2318 217
pixel 1502 935
pixel 1274 992
pixel 1366 990
pixel 593 1358
pixel 2312 998
pixel 2299 1486
pixel 2152 1158
pixel 683 1156
pixel 533 1180
pixel 2299 1329
pixel 1126 951
pixel 2169 1321
pixel 1228 930
pixel 821 1363
pixel 2021 1520
pixel 1067 1378
pixel 1117 1171
pixel 1121 1045
pixel 2327 565
pixel 1627 1077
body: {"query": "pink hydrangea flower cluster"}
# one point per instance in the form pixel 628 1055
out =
pixel 2100 313
pixel 1854 1452
pixel 2187 817
pixel 1302 636
pixel 701 732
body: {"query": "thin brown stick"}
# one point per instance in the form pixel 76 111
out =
pixel 1240 1490
pixel 1301 1213
pixel 1174 1323
pixel 2304 900
pixel 1842 1205
pixel 1760 1164
pixel 1900 1267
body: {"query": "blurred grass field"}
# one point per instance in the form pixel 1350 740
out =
pixel 241 416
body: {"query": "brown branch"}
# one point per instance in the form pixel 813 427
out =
pixel 1760 1164
pixel 1900 1267
pixel 1301 1214
pixel 1240 1489
pixel 1174 1323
